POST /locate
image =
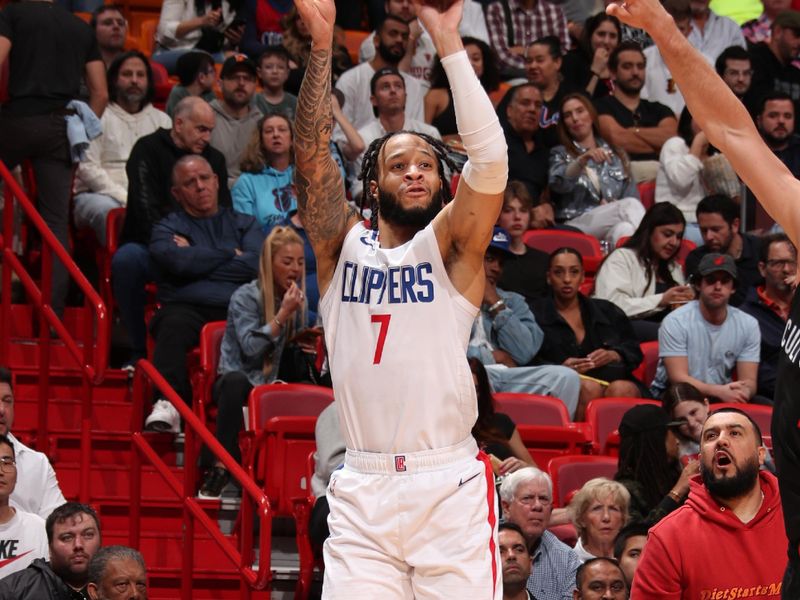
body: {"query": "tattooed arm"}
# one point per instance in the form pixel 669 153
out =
pixel 321 202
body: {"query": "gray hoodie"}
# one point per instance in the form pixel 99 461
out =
pixel 230 136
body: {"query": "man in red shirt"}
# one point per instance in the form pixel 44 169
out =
pixel 732 507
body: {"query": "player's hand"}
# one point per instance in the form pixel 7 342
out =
pixel 644 14
pixel 437 22
pixel 319 16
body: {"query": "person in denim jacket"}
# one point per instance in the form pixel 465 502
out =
pixel 590 180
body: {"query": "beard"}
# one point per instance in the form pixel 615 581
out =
pixel 734 486
pixel 391 211
pixel 389 54
pixel 132 97
pixel 631 88
pixel 776 140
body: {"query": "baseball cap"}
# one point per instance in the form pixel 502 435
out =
pixel 237 62
pixel 711 263
pixel 645 417
pixel 383 72
pixel 501 241
pixel 788 19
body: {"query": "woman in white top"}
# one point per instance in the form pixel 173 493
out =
pixel 679 172
pixel 642 277
pixel 186 25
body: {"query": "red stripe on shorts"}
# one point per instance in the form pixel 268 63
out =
pixel 490 495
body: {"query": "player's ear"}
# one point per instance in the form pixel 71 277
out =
pixel 373 188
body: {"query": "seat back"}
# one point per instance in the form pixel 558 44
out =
pixel 646 371
pixel 548 441
pixel 686 247
pixel 548 240
pixel 604 415
pixel 569 473
pixel 282 418
pixel 205 373
pixel 352 42
pixel 532 409
pixel 761 414
pixel 647 193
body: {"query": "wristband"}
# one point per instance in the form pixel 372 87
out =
pixel 277 321
pixel 675 496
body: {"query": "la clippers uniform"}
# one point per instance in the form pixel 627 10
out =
pixel 413 511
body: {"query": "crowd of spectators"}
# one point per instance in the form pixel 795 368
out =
pixel 599 142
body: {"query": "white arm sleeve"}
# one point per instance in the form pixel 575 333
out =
pixel 486 171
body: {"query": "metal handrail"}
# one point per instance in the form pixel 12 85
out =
pixel 93 360
pixel 147 375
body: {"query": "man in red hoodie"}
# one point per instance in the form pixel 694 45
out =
pixel 727 541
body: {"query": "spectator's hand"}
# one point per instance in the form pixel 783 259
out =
pixel 501 357
pixel 691 469
pixel 600 62
pixel 542 216
pixel 601 357
pixel 511 464
pixel 680 294
pixel 598 155
pixel 212 18
pixel 237 251
pixel 336 109
pixel 643 14
pixel 517 50
pixel 581 365
pixel 292 299
pixel 320 17
pixel 180 241
pixel 439 21
pixel 699 145
pixel 490 295
pixel 736 391
pixel 234 35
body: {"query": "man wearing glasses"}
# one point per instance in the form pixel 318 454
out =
pixel 770 303
pixel 22 535
pixel 527 499
pixel 702 342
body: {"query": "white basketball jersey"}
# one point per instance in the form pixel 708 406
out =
pixel 397 333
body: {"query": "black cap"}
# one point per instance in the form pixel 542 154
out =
pixel 711 263
pixel 237 62
pixel 645 417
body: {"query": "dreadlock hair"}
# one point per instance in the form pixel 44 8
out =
pixel 643 458
pixel 280 236
pixel 369 171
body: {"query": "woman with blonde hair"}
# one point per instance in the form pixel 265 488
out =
pixel 598 510
pixel 262 316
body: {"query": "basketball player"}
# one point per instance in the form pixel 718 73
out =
pixel 413 510
pixel 729 127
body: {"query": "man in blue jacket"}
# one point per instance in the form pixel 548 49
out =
pixel 202 253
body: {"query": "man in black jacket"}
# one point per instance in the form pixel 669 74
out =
pixel 202 253
pixel 149 170
pixel 73 534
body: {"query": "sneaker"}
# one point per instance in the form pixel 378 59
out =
pixel 164 418
pixel 216 479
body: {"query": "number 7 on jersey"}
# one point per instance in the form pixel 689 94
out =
pixel 383 320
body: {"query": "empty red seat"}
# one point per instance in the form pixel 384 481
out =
pixel 569 473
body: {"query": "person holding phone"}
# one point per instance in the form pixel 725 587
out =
pixel 186 25
pixel 264 316
pixel 642 276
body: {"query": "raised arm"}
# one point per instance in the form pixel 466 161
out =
pixel 464 227
pixel 321 201
pixel 719 113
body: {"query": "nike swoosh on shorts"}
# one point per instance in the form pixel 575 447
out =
pixel 463 481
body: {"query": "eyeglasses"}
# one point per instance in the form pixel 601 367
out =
pixel 7 464
pixel 781 264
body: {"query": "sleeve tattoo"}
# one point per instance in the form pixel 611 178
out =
pixel 320 190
